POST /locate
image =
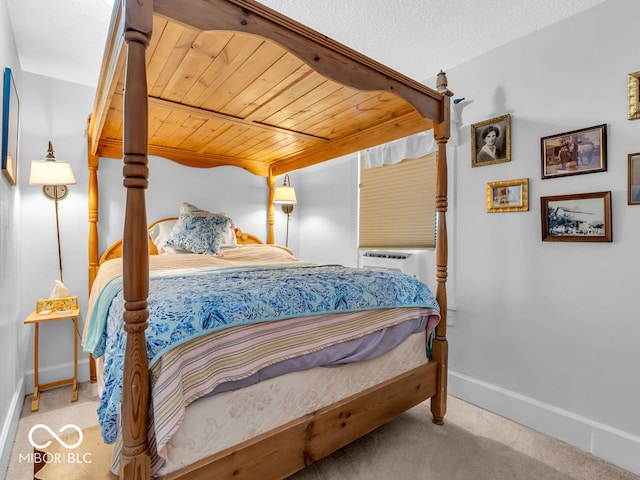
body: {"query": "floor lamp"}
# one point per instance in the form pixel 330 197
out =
pixel 54 177
pixel 285 195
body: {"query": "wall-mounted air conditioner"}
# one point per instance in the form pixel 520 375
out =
pixel 404 262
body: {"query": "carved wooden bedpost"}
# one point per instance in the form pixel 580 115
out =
pixel 93 247
pixel 440 349
pixel 271 182
pixel 134 459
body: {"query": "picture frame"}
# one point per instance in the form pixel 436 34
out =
pixel 10 123
pixel 633 82
pixel 583 217
pixel 508 196
pixel 575 152
pixel 493 134
pixel 633 195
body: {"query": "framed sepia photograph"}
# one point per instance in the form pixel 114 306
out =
pixel 10 116
pixel 508 196
pixel 634 179
pixel 583 217
pixel 575 152
pixel 634 96
pixel 491 141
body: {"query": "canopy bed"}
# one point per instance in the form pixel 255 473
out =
pixel 231 82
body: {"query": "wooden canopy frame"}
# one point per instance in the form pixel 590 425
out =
pixel 290 98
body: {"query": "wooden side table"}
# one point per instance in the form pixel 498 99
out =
pixel 37 318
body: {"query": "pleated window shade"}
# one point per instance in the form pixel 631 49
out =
pixel 397 204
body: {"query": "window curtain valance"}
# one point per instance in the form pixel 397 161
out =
pixel 414 146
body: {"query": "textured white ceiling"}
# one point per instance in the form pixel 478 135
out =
pixel 65 38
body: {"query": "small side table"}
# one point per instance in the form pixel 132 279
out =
pixel 37 318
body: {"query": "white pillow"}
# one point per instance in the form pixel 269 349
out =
pixel 161 230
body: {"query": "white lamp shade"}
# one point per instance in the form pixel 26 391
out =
pixel 50 172
pixel 284 194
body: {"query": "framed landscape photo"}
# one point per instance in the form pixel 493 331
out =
pixel 575 152
pixel 491 141
pixel 508 196
pixel 583 217
pixel 634 179
pixel 10 117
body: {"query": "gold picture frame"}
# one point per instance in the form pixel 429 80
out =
pixel 508 196
pixel 499 131
pixel 634 96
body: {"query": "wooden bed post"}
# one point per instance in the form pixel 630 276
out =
pixel 134 459
pixel 440 349
pixel 93 247
pixel 271 182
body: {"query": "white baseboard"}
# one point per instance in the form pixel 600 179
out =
pixel 10 425
pixel 610 444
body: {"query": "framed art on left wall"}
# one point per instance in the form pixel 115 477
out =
pixel 10 122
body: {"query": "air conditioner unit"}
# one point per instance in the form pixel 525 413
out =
pixel 404 262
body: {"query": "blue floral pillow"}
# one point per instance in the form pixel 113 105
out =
pixel 198 231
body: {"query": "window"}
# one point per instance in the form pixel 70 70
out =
pixel 397 204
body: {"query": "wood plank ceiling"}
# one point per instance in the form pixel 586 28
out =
pixel 233 98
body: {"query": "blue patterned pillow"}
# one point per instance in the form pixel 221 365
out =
pixel 198 231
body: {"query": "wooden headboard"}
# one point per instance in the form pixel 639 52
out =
pixel 115 249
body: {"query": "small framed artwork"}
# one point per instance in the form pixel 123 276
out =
pixel 634 96
pixel 508 196
pixel 575 152
pixel 491 141
pixel 583 217
pixel 634 179
pixel 10 120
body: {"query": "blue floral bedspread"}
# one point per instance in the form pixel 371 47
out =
pixel 184 305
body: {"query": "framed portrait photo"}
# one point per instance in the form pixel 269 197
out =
pixel 491 141
pixel 634 179
pixel 583 217
pixel 508 196
pixel 575 152
pixel 10 118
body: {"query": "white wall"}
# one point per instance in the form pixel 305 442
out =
pixel 544 333
pixel 11 378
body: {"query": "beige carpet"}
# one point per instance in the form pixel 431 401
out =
pixel 472 445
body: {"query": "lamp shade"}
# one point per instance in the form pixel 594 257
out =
pixel 51 172
pixel 284 194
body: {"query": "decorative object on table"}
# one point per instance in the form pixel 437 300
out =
pixel 491 141
pixel 634 179
pixel 634 96
pixel 54 177
pixel 285 195
pixel 583 217
pixel 54 305
pixel 10 124
pixel 508 196
pixel 574 152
